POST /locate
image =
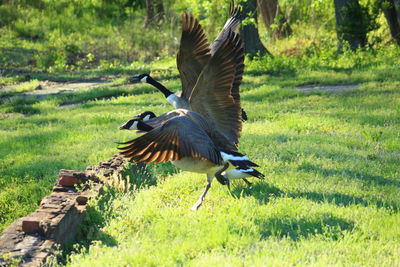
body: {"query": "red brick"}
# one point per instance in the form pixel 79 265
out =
pixel 30 225
pixel 82 200
pixel 68 180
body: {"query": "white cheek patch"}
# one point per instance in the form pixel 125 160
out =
pixel 144 79
pixel 146 118
pixel 134 126
pixel 173 99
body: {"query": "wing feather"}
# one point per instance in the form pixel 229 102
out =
pixel 179 137
pixel 230 26
pixel 194 53
pixel 212 97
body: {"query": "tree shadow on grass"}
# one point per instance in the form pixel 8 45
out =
pixel 364 177
pixel 299 228
pixel 259 190
pixel 263 192
pixel 344 200
pixel 294 228
pixel 16 56
pixel 328 146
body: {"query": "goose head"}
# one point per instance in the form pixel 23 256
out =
pixel 144 116
pixel 139 78
pixel 136 124
pixel 130 125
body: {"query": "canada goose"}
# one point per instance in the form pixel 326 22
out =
pixel 212 96
pixel 194 54
pixel 191 143
pixel 138 119
pixel 137 123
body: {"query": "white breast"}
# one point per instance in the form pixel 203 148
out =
pixel 177 102
pixel 197 165
pixel 236 174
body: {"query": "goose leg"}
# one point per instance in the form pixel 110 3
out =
pixel 247 182
pixel 228 184
pixel 219 177
pixel 222 179
pixel 200 200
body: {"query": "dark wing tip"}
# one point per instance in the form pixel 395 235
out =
pixel 244 115
pixel 234 10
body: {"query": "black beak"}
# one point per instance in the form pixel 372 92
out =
pixel 124 126
pixel 134 79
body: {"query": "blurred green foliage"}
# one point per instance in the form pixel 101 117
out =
pixel 64 35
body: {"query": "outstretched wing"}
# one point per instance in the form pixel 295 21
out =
pixel 194 51
pixel 211 96
pixel 193 55
pixel 239 69
pixel 179 137
pixel 230 26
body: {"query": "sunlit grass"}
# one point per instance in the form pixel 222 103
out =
pixel 330 196
pixel 27 86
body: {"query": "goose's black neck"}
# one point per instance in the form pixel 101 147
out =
pixel 144 127
pixel 159 86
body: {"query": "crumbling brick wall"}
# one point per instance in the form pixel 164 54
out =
pixel 32 239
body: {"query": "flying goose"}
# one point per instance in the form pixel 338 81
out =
pixel 194 54
pixel 191 143
pixel 211 95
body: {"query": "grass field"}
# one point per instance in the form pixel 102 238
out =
pixel 330 195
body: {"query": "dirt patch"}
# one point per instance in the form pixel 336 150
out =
pixel 52 88
pixel 328 88
pixel 47 88
pixel 68 106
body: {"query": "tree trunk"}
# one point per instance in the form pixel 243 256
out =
pixel 272 15
pixel 160 11
pixel 392 18
pixel 350 25
pixel 149 12
pixel 397 7
pixel 249 31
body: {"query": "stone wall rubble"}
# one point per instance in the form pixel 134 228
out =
pixel 32 239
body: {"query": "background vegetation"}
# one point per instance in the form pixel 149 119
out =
pixel 69 35
pixel 331 160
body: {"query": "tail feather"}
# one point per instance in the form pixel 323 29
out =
pixel 253 172
pixel 239 173
pixel 237 159
pixel 243 163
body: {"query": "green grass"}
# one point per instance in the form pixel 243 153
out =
pixel 26 86
pixel 21 88
pixel 330 195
